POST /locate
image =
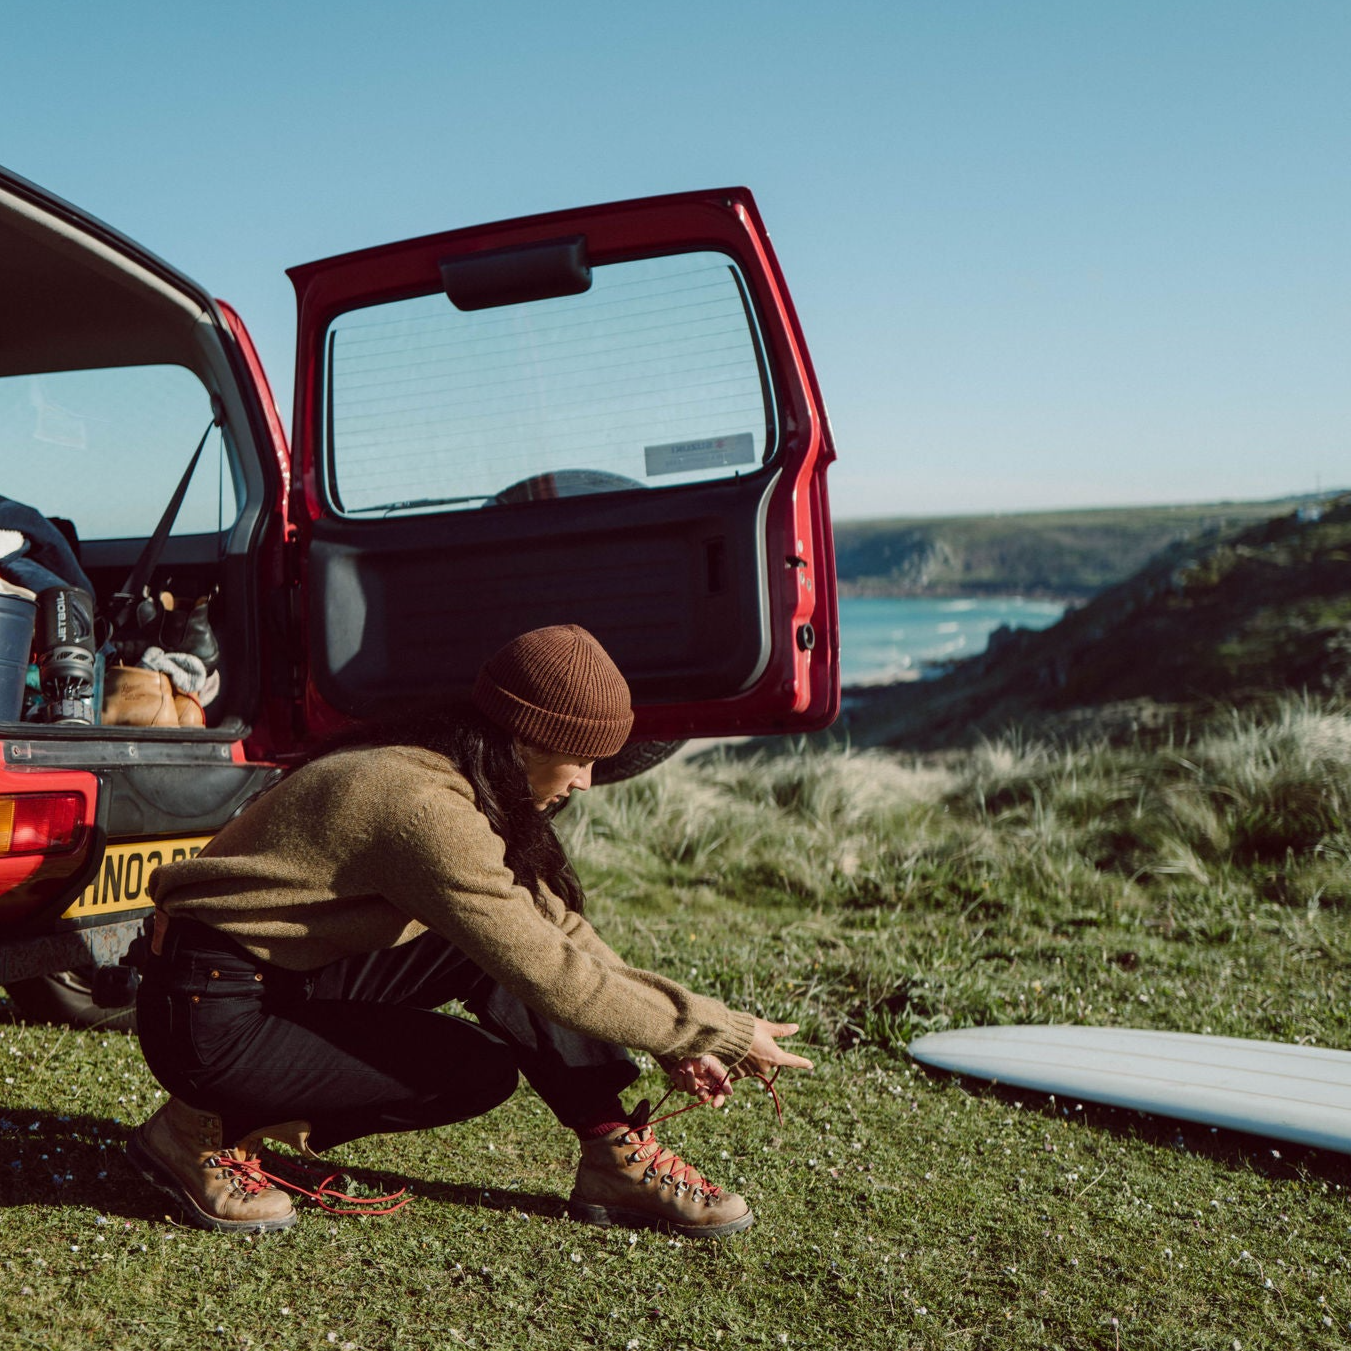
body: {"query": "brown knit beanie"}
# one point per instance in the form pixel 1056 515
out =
pixel 557 688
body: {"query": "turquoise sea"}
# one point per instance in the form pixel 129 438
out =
pixel 893 638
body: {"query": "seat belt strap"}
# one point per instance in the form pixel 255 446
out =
pixel 125 600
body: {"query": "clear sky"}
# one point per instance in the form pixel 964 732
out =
pixel 1047 253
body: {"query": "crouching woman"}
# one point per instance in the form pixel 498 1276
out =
pixel 300 959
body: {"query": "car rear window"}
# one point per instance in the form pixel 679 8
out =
pixel 106 448
pixel 653 377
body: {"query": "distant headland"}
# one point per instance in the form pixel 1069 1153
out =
pixel 1062 555
pixel 1229 606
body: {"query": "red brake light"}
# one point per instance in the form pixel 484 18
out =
pixel 41 823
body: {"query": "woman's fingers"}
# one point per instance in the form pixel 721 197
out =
pixel 703 1077
pixel 766 1050
pixel 781 1059
pixel 706 1078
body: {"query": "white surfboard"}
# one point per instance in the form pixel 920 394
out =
pixel 1297 1093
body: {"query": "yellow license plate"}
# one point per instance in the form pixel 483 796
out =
pixel 123 875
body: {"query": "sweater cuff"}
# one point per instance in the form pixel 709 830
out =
pixel 732 1047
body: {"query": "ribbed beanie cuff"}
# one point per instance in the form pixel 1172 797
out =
pixel 557 688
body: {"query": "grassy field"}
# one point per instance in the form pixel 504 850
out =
pixel 1201 887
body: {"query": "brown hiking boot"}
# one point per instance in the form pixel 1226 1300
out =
pixel 627 1178
pixel 180 1151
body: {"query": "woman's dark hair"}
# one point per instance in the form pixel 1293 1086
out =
pixel 486 755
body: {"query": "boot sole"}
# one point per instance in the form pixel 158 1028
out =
pixel 158 1176
pixel 607 1216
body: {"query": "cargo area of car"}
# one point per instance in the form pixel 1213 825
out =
pixel 113 369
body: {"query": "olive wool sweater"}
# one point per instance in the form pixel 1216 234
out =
pixel 366 849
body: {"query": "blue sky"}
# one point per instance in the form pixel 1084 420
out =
pixel 1046 254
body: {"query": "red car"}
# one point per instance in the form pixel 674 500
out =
pixel 605 416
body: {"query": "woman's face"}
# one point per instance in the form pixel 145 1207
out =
pixel 553 774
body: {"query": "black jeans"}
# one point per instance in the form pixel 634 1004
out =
pixel 356 1047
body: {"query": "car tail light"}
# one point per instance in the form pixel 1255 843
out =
pixel 47 831
pixel 41 823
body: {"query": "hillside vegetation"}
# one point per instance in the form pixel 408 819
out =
pixel 1228 619
pixel 1057 553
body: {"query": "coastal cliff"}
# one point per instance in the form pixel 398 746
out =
pixel 1228 619
pixel 1063 554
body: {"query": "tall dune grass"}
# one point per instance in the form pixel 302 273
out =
pixel 992 885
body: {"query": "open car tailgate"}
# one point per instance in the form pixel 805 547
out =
pixel 605 416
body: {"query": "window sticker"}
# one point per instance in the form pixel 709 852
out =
pixel 715 452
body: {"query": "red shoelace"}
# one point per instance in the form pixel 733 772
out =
pixel 724 1086
pixel 251 1177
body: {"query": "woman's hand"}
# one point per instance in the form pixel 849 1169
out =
pixel 766 1055
pixel 705 1076
pixel 702 1076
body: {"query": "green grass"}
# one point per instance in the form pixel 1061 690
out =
pixel 1199 887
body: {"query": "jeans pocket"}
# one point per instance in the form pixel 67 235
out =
pixel 188 1039
pixel 219 1026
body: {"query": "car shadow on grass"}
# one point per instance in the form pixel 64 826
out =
pixel 53 1159
pixel 1278 1160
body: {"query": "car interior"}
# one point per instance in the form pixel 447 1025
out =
pixel 111 373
